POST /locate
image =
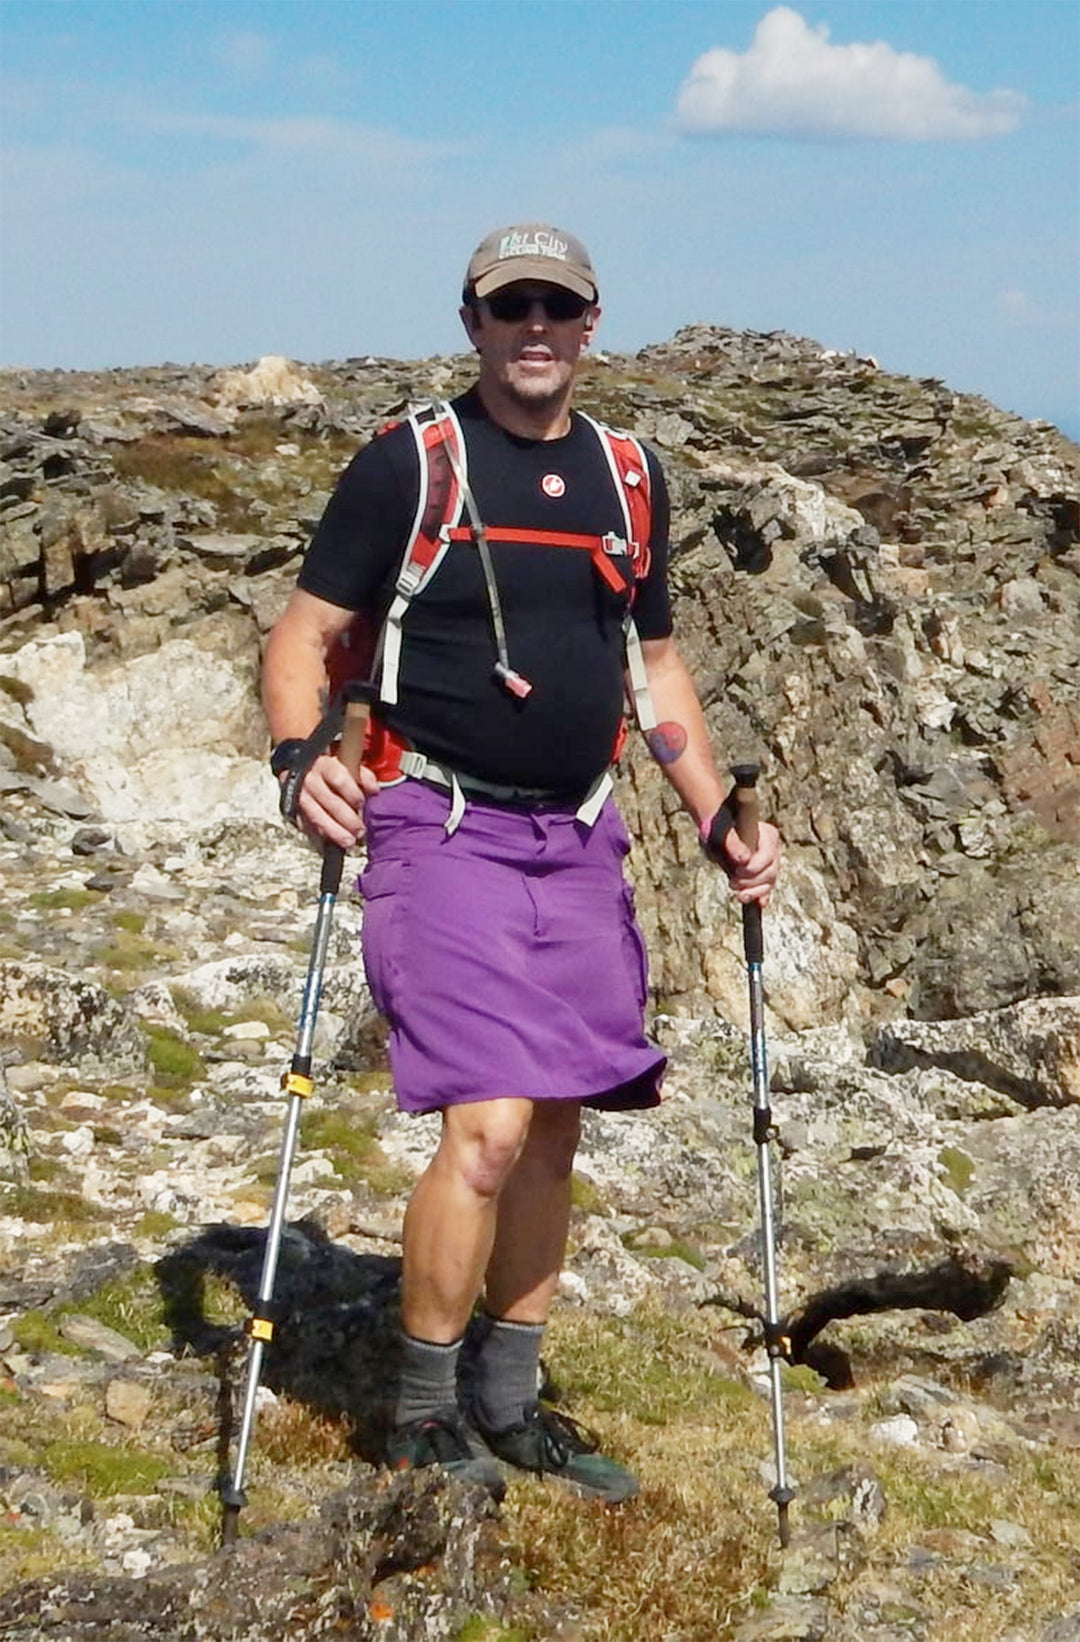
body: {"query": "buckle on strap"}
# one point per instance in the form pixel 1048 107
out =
pixel 617 547
pixel 409 578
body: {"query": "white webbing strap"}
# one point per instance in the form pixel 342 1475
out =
pixel 423 768
pixel 390 649
pixel 595 799
pixel 644 711
pixel 457 806
pixel 613 468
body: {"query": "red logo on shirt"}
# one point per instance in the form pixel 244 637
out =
pixel 553 484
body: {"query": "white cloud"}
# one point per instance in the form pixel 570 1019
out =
pixel 793 83
pixel 1015 304
pixel 244 53
pixel 620 142
pixel 296 134
pixel 1017 307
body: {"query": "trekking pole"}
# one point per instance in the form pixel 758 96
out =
pixel 298 1084
pixel 745 800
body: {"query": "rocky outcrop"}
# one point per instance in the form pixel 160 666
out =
pixel 876 585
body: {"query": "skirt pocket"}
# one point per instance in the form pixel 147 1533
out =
pixel 635 948
pixel 384 886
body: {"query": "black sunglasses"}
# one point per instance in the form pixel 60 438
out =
pixel 512 306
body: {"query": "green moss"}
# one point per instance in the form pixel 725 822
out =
pixel 47 1169
pixel 586 1195
pixel 479 1629
pixel 156 1223
pixel 102 1469
pixel 133 953
pixel 347 1136
pixel 934 1501
pixel 76 899
pixel 677 1249
pixel 651 1366
pixel 959 1168
pixel 208 1022
pixel 133 922
pixel 211 1023
pixel 265 1169
pixel 38 1334
pixel 44 1208
pixel 174 1062
pixel 332 1129
pixel 801 1377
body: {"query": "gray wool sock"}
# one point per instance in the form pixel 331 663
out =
pixel 507 1372
pixel 428 1379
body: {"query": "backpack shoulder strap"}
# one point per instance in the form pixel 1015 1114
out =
pixel 441 458
pixel 629 469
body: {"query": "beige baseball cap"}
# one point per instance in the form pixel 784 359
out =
pixel 530 250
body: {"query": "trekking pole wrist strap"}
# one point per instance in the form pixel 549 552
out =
pixel 714 829
pixel 294 757
pixel 286 754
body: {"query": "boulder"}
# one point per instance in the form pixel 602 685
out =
pixel 273 381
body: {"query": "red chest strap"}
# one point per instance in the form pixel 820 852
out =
pixel 600 548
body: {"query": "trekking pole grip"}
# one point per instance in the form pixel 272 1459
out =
pixel 357 712
pixel 747 815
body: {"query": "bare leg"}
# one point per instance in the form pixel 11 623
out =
pixel 533 1218
pixel 450 1223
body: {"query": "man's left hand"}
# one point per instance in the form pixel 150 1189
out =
pixel 752 873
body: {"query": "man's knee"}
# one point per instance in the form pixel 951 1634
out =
pixel 483 1141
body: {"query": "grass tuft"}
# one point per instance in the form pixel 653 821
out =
pixel 174 1062
pixel 103 1469
pixel 74 899
pixel 347 1135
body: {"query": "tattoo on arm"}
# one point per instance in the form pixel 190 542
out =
pixel 667 742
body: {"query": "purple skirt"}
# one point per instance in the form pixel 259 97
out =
pixel 506 957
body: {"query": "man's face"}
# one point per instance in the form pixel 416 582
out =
pixel 529 337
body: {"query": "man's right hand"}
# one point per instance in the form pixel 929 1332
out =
pixel 330 804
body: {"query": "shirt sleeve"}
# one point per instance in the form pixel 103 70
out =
pixel 354 555
pixel 652 604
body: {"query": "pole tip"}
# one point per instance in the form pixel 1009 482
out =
pixel 745 775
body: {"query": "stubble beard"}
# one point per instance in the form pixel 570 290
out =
pixel 537 395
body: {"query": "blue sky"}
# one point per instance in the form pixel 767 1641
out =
pixel 214 181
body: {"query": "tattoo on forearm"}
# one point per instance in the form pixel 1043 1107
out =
pixel 667 742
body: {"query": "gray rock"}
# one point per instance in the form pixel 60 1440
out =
pixel 1030 1051
pixel 71 1018
pixel 97 1337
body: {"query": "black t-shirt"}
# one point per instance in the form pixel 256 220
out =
pixel 563 623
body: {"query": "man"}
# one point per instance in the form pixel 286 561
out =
pixel 499 936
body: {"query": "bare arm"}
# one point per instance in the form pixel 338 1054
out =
pixel 294 693
pixel 680 745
